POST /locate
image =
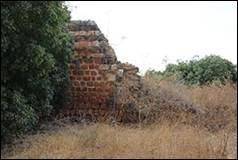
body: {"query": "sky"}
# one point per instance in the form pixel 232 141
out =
pixel 151 34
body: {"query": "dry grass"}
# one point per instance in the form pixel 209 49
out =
pixel 216 104
pixel 207 96
pixel 210 132
pixel 104 141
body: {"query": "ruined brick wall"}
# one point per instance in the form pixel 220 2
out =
pixel 100 86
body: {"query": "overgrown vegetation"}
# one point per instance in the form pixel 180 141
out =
pixel 174 134
pixel 201 71
pixel 192 119
pixel 104 141
pixel 35 50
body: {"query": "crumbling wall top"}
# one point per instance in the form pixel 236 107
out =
pixel 79 25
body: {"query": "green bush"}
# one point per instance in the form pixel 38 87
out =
pixel 202 71
pixel 35 50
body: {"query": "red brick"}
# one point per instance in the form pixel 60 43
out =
pixel 99 78
pixel 93 73
pixel 76 83
pixel 82 83
pixel 87 72
pixel 101 100
pixel 110 94
pixel 101 72
pixel 97 60
pixel 90 83
pixel 72 78
pixel 83 53
pixel 91 66
pixel 86 78
pixel 78 89
pixel 107 89
pixel 80 73
pixel 88 52
pixel 102 84
pixel 93 78
pixel 99 89
pixel 93 93
pixel 71 66
pixel 84 43
pixel 84 66
pixel 96 66
pixel 97 84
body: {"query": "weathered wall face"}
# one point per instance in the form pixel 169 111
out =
pixel 97 80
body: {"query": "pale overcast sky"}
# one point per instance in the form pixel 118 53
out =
pixel 145 33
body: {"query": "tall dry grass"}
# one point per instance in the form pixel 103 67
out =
pixel 192 122
pixel 105 141
pixel 215 104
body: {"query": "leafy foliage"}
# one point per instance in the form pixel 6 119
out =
pixel 201 71
pixel 35 50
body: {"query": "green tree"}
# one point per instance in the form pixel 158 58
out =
pixel 202 71
pixel 35 49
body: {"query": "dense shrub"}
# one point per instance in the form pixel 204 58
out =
pixel 35 50
pixel 201 71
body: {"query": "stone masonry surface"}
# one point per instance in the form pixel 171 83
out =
pixel 101 87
